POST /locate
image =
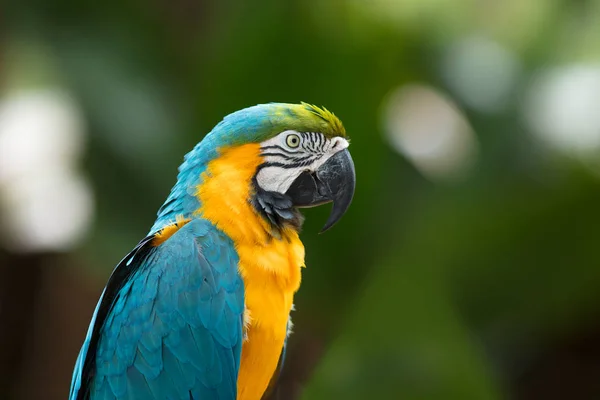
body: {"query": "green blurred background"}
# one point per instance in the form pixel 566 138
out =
pixel 468 266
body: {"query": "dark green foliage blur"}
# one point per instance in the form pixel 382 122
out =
pixel 427 289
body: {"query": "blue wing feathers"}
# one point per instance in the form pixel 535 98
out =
pixel 172 326
pixel 105 393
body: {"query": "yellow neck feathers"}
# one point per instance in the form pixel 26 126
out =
pixel 225 195
pixel 269 266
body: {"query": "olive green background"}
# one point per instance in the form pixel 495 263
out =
pixel 483 287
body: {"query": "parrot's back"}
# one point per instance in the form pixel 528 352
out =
pixel 169 323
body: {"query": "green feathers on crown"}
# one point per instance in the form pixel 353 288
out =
pixel 334 126
pixel 303 117
pixel 261 122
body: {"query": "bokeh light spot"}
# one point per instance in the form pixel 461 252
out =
pixel 45 203
pixel 430 130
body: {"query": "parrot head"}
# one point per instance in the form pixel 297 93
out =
pixel 302 160
pixel 306 163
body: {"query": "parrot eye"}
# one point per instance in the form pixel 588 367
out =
pixel 292 141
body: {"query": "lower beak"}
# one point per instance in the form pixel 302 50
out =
pixel 333 182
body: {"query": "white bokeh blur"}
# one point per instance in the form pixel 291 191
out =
pixel 45 202
pixel 562 110
pixel 481 73
pixel 431 131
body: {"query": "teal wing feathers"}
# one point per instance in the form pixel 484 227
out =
pixel 173 329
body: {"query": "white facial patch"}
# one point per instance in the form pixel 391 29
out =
pixel 290 153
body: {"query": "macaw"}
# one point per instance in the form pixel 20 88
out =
pixel 200 308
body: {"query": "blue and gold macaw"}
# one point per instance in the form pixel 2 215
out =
pixel 199 310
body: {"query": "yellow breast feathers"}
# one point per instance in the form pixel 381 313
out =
pixel 269 266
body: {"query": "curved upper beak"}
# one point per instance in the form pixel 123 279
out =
pixel 334 181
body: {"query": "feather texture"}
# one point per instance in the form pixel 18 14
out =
pixel 170 322
pixel 174 329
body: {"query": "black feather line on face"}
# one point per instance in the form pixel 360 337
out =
pixel 312 142
pixel 282 155
pixel 320 142
pixel 284 166
pixel 288 158
pixel 275 146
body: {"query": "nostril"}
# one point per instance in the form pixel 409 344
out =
pixel 337 143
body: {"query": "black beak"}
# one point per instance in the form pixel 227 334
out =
pixel 333 182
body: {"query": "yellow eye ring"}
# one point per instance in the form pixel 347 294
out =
pixel 292 141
